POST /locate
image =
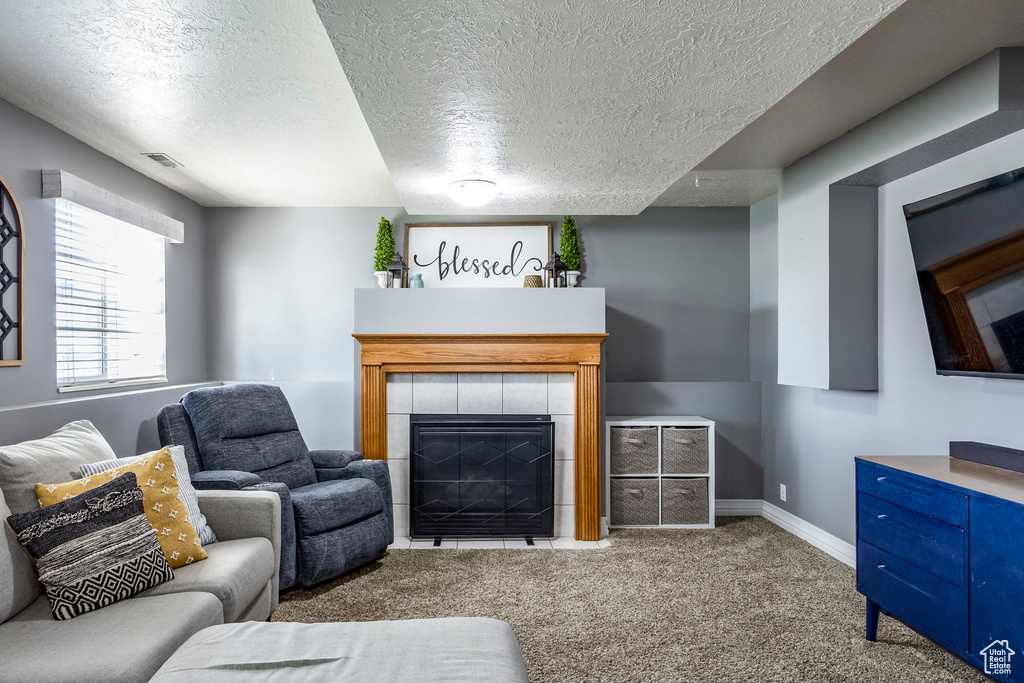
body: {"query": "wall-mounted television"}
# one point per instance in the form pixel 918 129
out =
pixel 968 247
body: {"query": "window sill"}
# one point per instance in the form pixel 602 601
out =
pixel 111 385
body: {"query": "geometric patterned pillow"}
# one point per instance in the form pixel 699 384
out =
pixel 186 492
pixel 93 549
pixel 157 478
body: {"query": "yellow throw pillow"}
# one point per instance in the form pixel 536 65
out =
pixel 166 514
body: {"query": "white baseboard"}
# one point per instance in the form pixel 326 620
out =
pixel 833 545
pixel 739 507
pixel 820 539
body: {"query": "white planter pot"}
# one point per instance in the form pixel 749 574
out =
pixel 382 278
pixel 571 276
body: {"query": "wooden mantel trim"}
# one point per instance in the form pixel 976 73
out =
pixel 479 349
pixel 580 354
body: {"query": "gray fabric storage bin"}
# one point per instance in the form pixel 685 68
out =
pixel 634 501
pixel 684 450
pixel 684 501
pixel 634 450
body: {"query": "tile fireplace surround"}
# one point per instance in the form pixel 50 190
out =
pixel 483 394
pixel 407 365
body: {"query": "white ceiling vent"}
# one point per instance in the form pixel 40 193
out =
pixel 162 159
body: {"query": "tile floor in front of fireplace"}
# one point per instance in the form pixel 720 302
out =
pixel 560 543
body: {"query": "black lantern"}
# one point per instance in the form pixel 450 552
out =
pixel 554 271
pixel 398 271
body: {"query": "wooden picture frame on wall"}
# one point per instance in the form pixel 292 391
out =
pixel 12 279
pixel 477 254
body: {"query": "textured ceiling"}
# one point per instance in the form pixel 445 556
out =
pixel 602 107
pixel 928 39
pixel 247 94
pixel 573 107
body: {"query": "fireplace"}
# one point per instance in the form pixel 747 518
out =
pixel 387 354
pixel 481 476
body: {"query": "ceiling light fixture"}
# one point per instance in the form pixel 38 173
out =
pixel 473 192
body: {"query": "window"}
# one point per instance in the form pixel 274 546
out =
pixel 110 300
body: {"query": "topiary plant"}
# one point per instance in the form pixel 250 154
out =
pixel 569 244
pixel 385 246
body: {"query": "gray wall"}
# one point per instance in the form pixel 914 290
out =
pixel 280 305
pixel 818 433
pixel 677 292
pixel 764 324
pixel 734 406
pixel 281 284
pixel 31 145
pixel 126 419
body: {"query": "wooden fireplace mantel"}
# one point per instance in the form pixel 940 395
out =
pixel 579 354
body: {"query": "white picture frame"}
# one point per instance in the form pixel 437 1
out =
pixel 476 254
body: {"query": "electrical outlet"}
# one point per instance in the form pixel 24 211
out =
pixel 782 492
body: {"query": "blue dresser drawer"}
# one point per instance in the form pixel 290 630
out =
pixel 949 506
pixel 927 543
pixel 913 595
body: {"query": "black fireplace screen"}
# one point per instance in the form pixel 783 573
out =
pixel 481 475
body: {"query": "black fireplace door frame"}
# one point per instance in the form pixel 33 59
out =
pixel 461 486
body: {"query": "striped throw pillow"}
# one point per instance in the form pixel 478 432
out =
pixel 186 492
pixel 94 549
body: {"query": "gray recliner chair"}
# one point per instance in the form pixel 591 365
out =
pixel 336 508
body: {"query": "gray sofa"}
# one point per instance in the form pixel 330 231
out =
pixel 129 640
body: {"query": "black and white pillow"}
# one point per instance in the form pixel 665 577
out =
pixel 94 549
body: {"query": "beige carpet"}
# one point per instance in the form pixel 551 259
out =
pixel 744 602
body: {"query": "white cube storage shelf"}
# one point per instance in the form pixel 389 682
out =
pixel 661 472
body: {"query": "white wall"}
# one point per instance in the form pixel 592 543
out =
pixel 818 433
pixel 808 294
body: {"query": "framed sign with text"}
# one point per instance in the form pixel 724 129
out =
pixel 477 255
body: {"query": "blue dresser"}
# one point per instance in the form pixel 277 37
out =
pixel 940 546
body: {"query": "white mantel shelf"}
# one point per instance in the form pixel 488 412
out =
pixel 524 310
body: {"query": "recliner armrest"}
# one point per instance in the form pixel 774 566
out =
pixel 376 471
pixel 246 514
pixel 223 480
pixel 338 458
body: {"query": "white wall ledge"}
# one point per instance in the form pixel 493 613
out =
pixel 579 310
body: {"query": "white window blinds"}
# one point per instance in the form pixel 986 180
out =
pixel 110 299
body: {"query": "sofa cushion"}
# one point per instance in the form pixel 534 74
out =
pixel 18 583
pixel 249 427
pixel 164 510
pixel 186 492
pixel 93 549
pixel 454 650
pixel 55 458
pixel 235 571
pixel 123 643
pixel 330 505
